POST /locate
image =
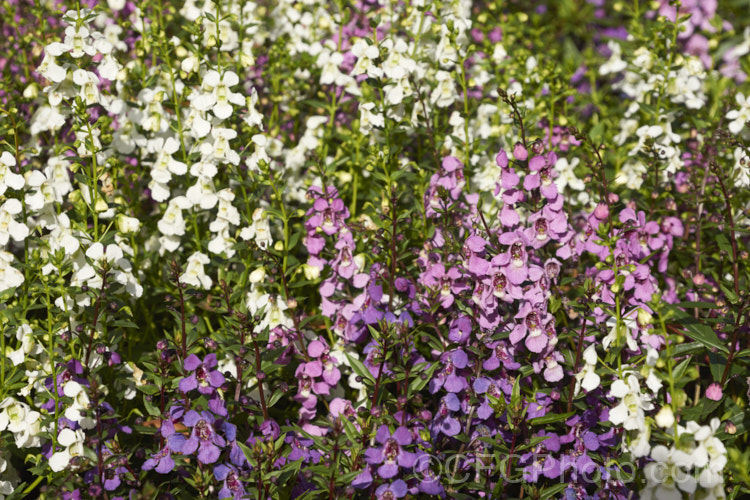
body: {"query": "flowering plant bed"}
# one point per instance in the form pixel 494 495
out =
pixel 374 250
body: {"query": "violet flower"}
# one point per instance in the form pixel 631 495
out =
pixel 391 454
pixel 204 377
pixel 203 438
pixel 232 486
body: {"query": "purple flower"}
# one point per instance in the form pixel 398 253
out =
pixel 391 454
pixel 203 438
pixel 445 422
pixel 232 487
pixel 161 461
pixel 396 489
pixel 531 328
pixel 204 377
pixel 447 283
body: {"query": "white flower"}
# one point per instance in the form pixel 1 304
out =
pixel 9 227
pixel 567 175
pixel 72 443
pixel 630 413
pixel 738 117
pixel 621 331
pixel 89 82
pixel 10 277
pixel 631 174
pixel 259 230
pixel 217 95
pixel 220 149
pixel 202 193
pixel 587 377
pixel 668 475
pixel 49 68
pixel 329 63
pixel 152 117
pixel 615 64
pixel 28 347
pixel 172 223
pixel 222 243
pixel 368 119
pixel 197 123
pixel 194 274
pixel 127 225
pixel 77 41
pixel 648 370
pixel 227 214
pixel 665 417
pixel 366 54
pixel 398 65
pixel 77 392
pixel 112 254
pixel 9 179
pixel 164 166
pixel 640 446
pixel 253 117
pixel 741 168
pixel 58 176
pixel 444 93
pixel 25 424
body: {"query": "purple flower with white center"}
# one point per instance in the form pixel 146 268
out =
pixel 204 377
pixel 391 454
pixel 541 175
pixel 327 215
pixel 232 486
pixel 396 489
pixel 530 328
pixel 203 438
pixel 553 371
pixel 447 283
pixel 546 225
pixel 161 461
pixel 515 258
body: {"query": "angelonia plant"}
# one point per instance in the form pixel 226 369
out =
pixel 374 249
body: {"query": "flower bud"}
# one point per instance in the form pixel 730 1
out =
pixel 665 417
pixel 311 272
pixel 601 211
pixel 127 224
pixel 519 152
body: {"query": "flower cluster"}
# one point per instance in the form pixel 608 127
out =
pixel 306 249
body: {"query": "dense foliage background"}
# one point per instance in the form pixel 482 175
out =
pixel 303 249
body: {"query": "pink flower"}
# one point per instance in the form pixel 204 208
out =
pixel 714 392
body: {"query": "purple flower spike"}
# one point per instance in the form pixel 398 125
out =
pixel 204 377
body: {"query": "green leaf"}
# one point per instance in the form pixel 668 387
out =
pixel 551 418
pixel 552 491
pixel 697 330
pixel 359 368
